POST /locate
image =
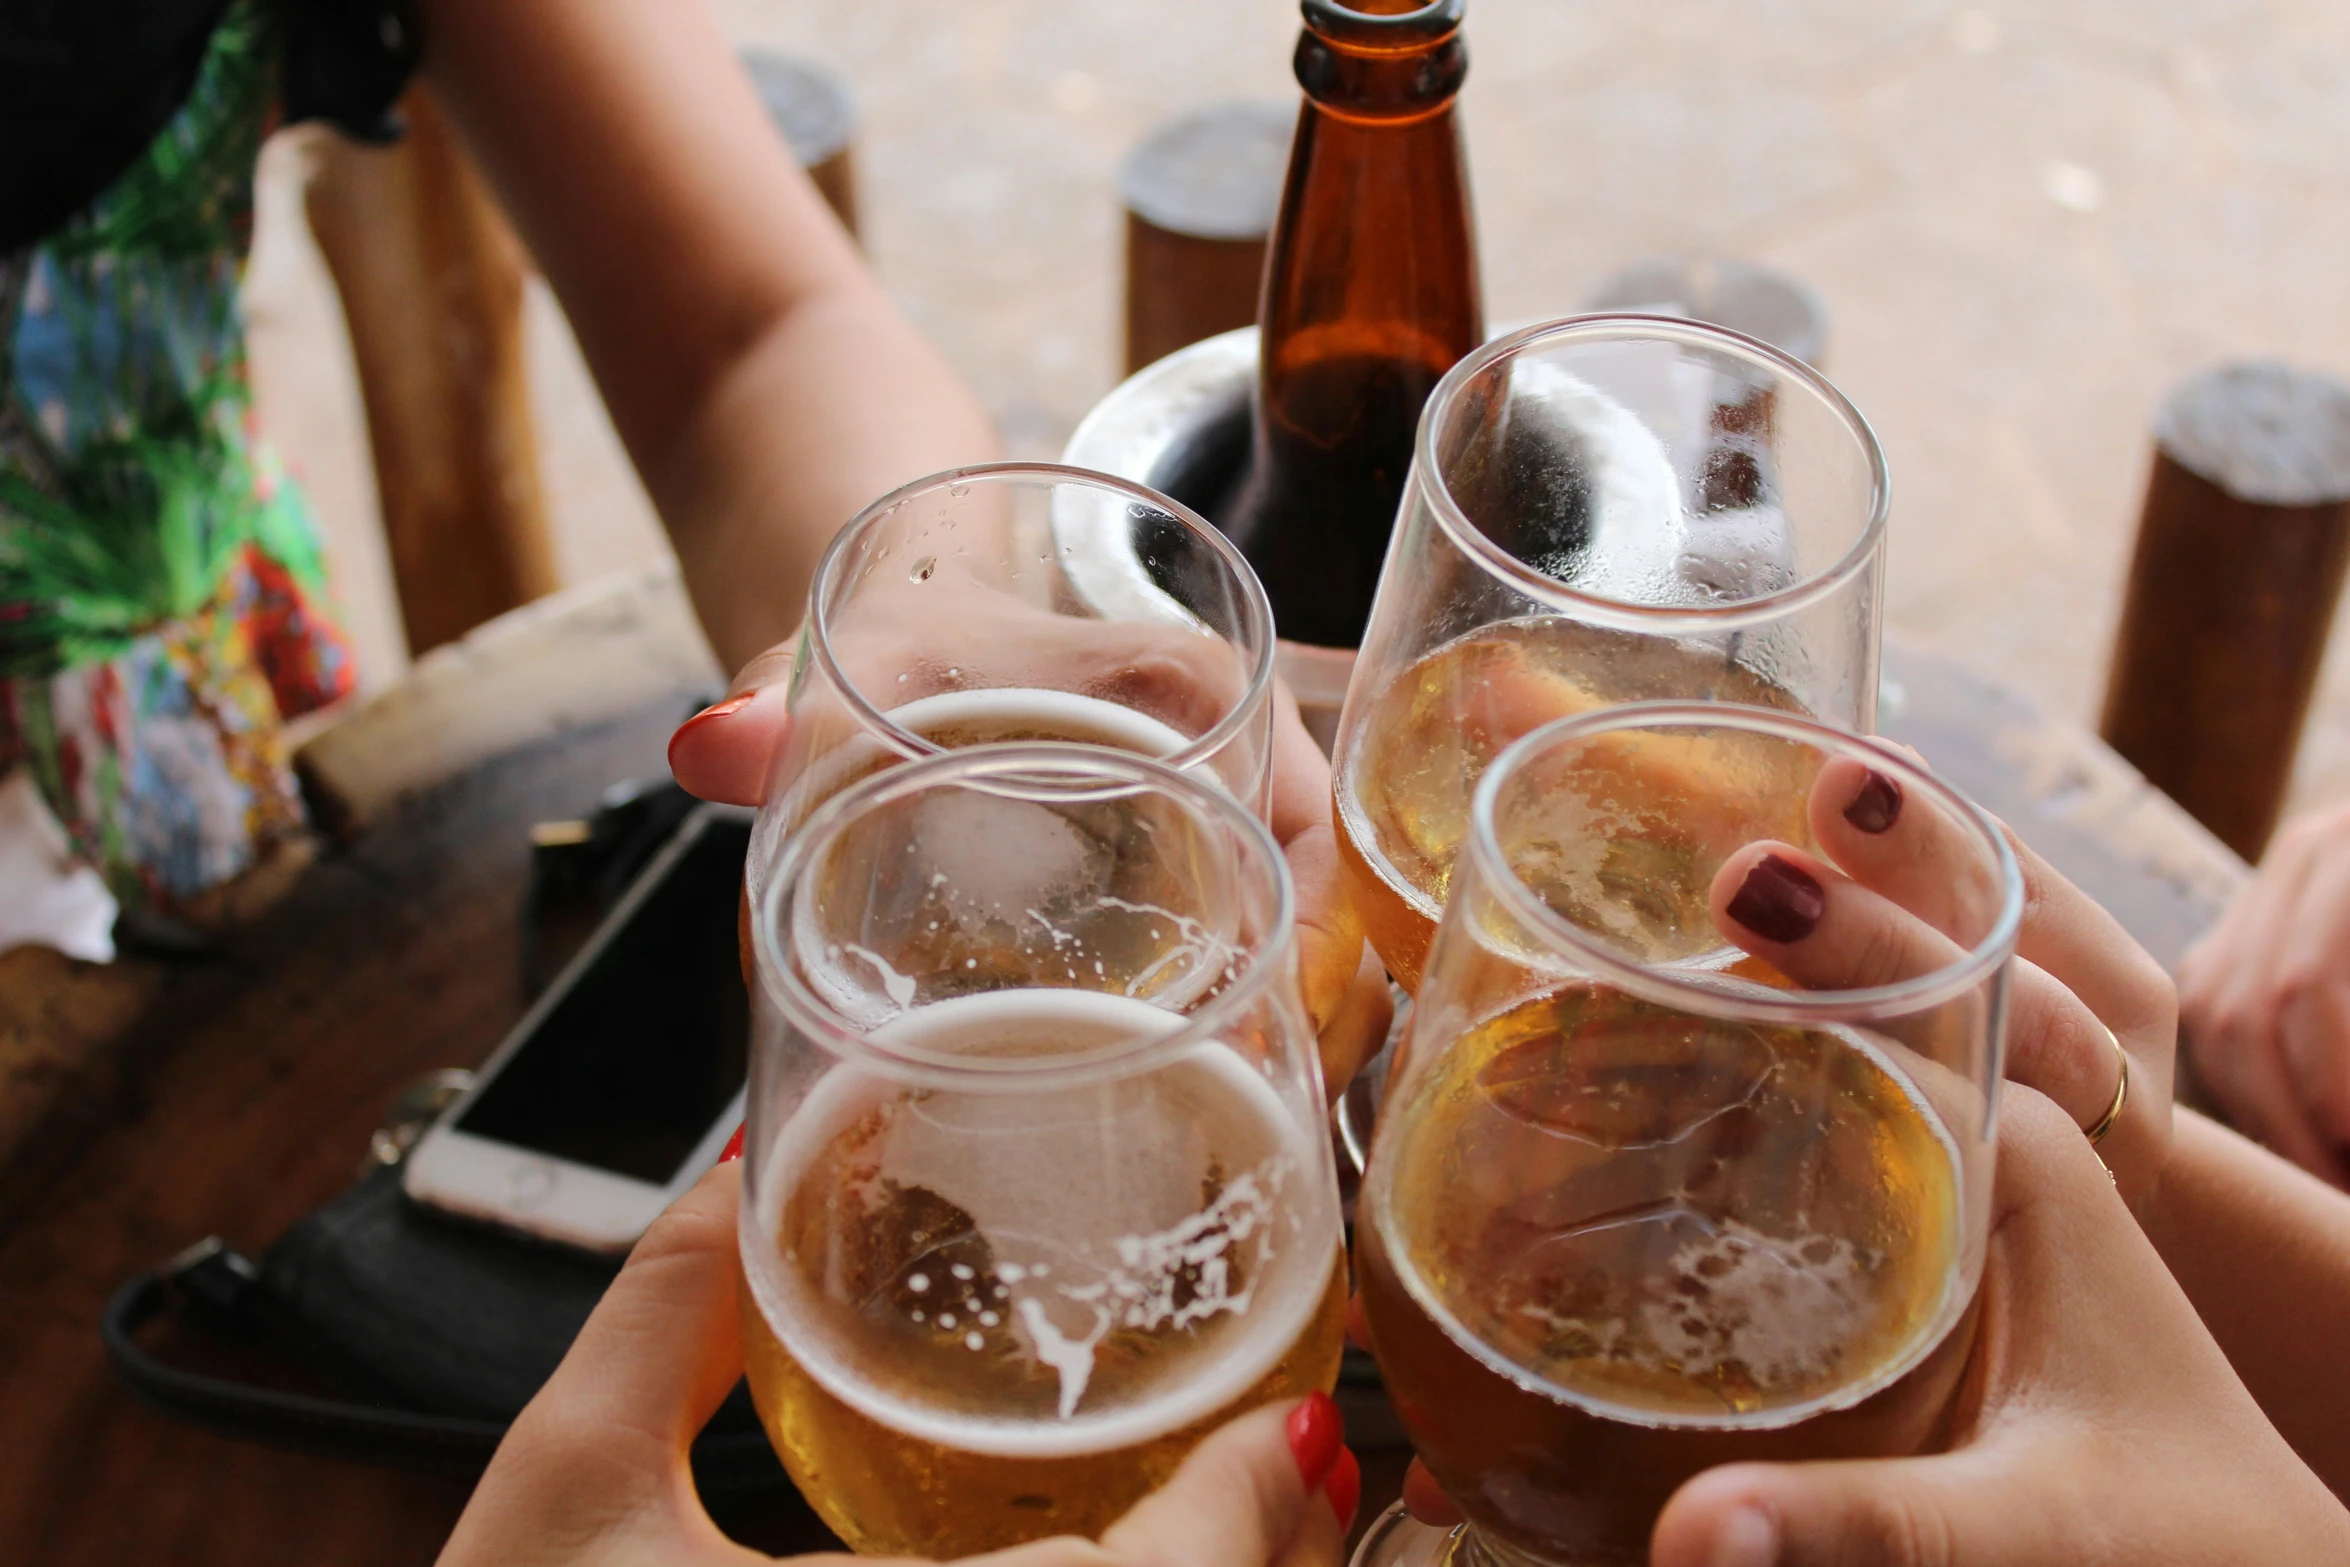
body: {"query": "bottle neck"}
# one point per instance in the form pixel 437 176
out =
pixel 1373 253
pixel 1394 68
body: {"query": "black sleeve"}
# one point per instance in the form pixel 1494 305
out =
pixel 347 62
pixel 85 85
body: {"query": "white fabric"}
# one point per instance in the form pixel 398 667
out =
pixel 46 894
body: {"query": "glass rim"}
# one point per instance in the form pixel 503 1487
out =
pixel 1257 610
pixel 1626 614
pixel 1024 770
pixel 1665 985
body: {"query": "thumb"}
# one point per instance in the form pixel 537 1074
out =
pixel 722 753
pixel 2075 1305
pixel 1979 1507
pixel 664 1347
pixel 1239 1499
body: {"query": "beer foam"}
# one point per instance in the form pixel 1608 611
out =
pixel 1783 1308
pixel 1063 714
pixel 1070 1268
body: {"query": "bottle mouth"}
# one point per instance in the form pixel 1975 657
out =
pixel 1383 24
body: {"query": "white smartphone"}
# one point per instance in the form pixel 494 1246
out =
pixel 618 1089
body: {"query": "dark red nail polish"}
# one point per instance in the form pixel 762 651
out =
pixel 734 1145
pixel 1345 1488
pixel 1779 900
pixel 1877 806
pixel 1316 1437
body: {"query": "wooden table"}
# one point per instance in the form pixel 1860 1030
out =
pixel 245 1093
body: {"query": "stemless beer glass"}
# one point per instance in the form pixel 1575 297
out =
pixel 1603 509
pixel 1038 1191
pixel 1024 601
pixel 1638 1203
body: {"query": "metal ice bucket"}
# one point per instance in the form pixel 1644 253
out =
pixel 1181 426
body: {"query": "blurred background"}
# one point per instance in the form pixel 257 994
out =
pixel 2027 222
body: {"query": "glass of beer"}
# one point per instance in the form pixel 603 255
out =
pixel 1603 509
pixel 1638 1202
pixel 1038 1190
pixel 1024 601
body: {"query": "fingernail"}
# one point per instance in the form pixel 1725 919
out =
pixel 708 715
pixel 1316 1437
pixel 1779 901
pixel 1877 806
pixel 1748 1538
pixel 1344 1488
pixel 734 1145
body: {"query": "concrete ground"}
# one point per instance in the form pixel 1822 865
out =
pixel 2027 222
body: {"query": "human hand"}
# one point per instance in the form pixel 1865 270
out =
pixel 595 1472
pixel 1879 907
pixel 1878 903
pixel 2264 999
pixel 2109 1428
pixel 723 753
pixel 2070 1452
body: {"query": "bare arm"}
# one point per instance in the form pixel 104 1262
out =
pixel 2263 1250
pixel 763 383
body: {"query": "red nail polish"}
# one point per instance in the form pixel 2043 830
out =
pixel 1316 1437
pixel 1779 900
pixel 1878 805
pixel 1345 1488
pixel 710 714
pixel 734 1145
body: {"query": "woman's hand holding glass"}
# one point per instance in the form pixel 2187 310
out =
pixel 1869 878
pixel 1872 902
pixel 1025 602
pixel 2108 1426
pixel 595 1472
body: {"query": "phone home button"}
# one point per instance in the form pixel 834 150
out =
pixel 529 1185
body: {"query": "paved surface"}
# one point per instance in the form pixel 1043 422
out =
pixel 2027 222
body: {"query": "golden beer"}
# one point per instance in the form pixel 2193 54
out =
pixel 996 1318
pixel 1606 1245
pixel 1404 789
pixel 952 720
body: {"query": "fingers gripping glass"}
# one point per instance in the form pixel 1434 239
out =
pixel 1687 1159
pixel 1039 1191
pixel 1025 601
pixel 1604 509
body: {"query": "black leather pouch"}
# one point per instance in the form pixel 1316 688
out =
pixel 434 1333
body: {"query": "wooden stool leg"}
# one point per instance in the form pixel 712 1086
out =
pixel 1199 193
pixel 432 281
pixel 2240 558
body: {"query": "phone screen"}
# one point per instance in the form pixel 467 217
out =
pixel 647 1046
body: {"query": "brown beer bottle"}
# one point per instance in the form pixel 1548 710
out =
pixel 1370 296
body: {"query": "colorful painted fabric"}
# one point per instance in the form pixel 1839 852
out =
pixel 162 593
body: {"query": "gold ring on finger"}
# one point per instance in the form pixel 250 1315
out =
pixel 2121 1092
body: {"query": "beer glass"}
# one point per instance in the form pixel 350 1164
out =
pixel 1638 1203
pixel 1038 1191
pixel 1024 601
pixel 1602 509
